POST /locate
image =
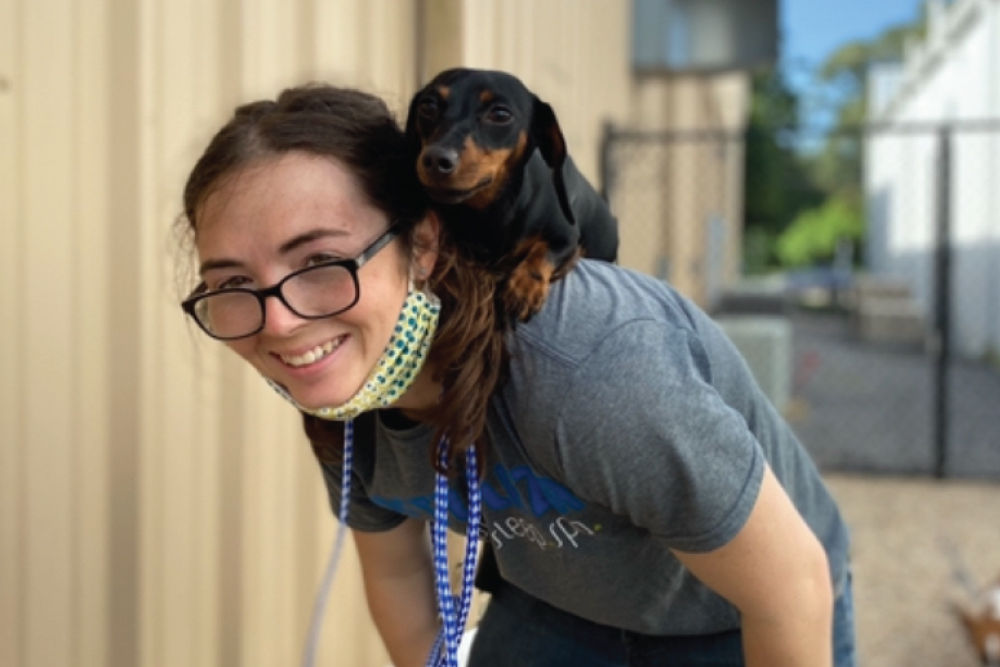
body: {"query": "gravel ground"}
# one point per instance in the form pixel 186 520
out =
pixel 865 413
pixel 866 407
pixel 906 532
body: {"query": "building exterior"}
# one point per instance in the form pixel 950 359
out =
pixel 158 504
pixel 951 79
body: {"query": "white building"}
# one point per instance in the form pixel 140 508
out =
pixel 952 77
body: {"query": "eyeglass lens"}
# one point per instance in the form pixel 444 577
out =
pixel 316 292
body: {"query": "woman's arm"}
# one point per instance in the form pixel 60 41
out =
pixel 775 572
pixel 399 585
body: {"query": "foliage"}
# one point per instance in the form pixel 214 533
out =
pixel 837 166
pixel 800 204
pixel 814 235
pixel 778 185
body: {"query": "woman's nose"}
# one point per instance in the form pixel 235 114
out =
pixel 279 320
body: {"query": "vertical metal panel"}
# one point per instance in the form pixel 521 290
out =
pixel 11 397
pixel 92 576
pixel 47 320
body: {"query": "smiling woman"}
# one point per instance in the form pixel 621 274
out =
pixel 641 499
pixel 275 223
pixel 322 268
pixel 293 199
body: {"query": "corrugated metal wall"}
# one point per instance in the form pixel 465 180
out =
pixel 158 505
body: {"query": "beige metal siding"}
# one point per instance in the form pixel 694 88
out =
pixel 158 504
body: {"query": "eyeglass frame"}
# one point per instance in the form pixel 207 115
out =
pixel 352 265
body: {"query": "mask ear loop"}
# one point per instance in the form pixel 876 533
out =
pixel 323 595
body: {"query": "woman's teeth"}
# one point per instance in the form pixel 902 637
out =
pixel 313 355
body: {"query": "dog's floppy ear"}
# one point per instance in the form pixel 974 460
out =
pixel 548 135
pixel 412 136
pixel 551 144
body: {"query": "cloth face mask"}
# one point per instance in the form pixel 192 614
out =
pixel 398 366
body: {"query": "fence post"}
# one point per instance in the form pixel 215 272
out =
pixel 942 300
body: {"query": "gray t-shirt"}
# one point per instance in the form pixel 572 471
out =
pixel 629 425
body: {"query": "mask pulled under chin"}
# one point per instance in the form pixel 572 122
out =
pixel 396 369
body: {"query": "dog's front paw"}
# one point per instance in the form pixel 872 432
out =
pixel 527 289
pixel 529 280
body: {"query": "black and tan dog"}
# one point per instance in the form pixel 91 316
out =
pixel 492 157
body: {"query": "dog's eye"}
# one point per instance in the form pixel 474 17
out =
pixel 499 114
pixel 428 107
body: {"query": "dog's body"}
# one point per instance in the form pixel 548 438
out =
pixel 492 157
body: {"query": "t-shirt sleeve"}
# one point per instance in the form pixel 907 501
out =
pixel 363 514
pixel 643 432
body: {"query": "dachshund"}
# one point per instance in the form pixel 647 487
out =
pixel 492 158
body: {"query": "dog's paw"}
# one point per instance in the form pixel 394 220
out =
pixel 526 292
pixel 529 280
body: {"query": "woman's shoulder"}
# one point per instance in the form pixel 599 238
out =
pixel 598 300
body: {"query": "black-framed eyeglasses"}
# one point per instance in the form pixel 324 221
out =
pixel 312 293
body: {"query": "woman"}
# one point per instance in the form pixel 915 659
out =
pixel 642 501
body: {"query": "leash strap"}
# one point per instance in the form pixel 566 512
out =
pixel 323 596
pixel 453 619
pixel 454 610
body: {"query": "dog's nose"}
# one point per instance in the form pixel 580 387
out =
pixel 440 160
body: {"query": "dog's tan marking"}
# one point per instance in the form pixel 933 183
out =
pixel 476 167
pixel 498 163
pixel 528 285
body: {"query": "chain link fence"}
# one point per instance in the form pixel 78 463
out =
pixel 886 360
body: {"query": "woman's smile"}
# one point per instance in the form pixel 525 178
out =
pixel 312 355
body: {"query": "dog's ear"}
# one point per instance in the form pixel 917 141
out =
pixel 412 136
pixel 547 134
pixel 551 144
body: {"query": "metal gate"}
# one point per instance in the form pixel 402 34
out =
pixel 896 368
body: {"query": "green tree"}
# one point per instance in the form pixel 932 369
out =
pixel 835 169
pixel 814 235
pixel 778 184
pixel 845 74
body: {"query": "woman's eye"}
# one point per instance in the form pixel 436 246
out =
pixel 229 283
pixel 320 258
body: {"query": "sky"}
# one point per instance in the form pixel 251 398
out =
pixel 811 30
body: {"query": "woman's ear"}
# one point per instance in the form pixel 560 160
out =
pixel 426 235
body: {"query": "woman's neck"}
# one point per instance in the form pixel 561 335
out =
pixel 422 396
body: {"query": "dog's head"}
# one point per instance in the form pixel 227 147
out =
pixel 472 131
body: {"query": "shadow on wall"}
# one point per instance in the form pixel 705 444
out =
pixel 974 294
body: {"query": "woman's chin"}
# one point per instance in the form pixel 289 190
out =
pixel 315 400
pixel 312 404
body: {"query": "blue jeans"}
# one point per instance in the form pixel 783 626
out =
pixel 519 631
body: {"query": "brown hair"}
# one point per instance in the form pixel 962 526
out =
pixel 358 129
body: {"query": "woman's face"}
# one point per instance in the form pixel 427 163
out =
pixel 286 213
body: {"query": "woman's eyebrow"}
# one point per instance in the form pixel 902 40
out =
pixel 284 248
pixel 307 237
pixel 211 264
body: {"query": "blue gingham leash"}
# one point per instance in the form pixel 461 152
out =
pixel 445 650
pixel 453 625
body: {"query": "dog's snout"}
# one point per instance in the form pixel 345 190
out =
pixel 440 160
